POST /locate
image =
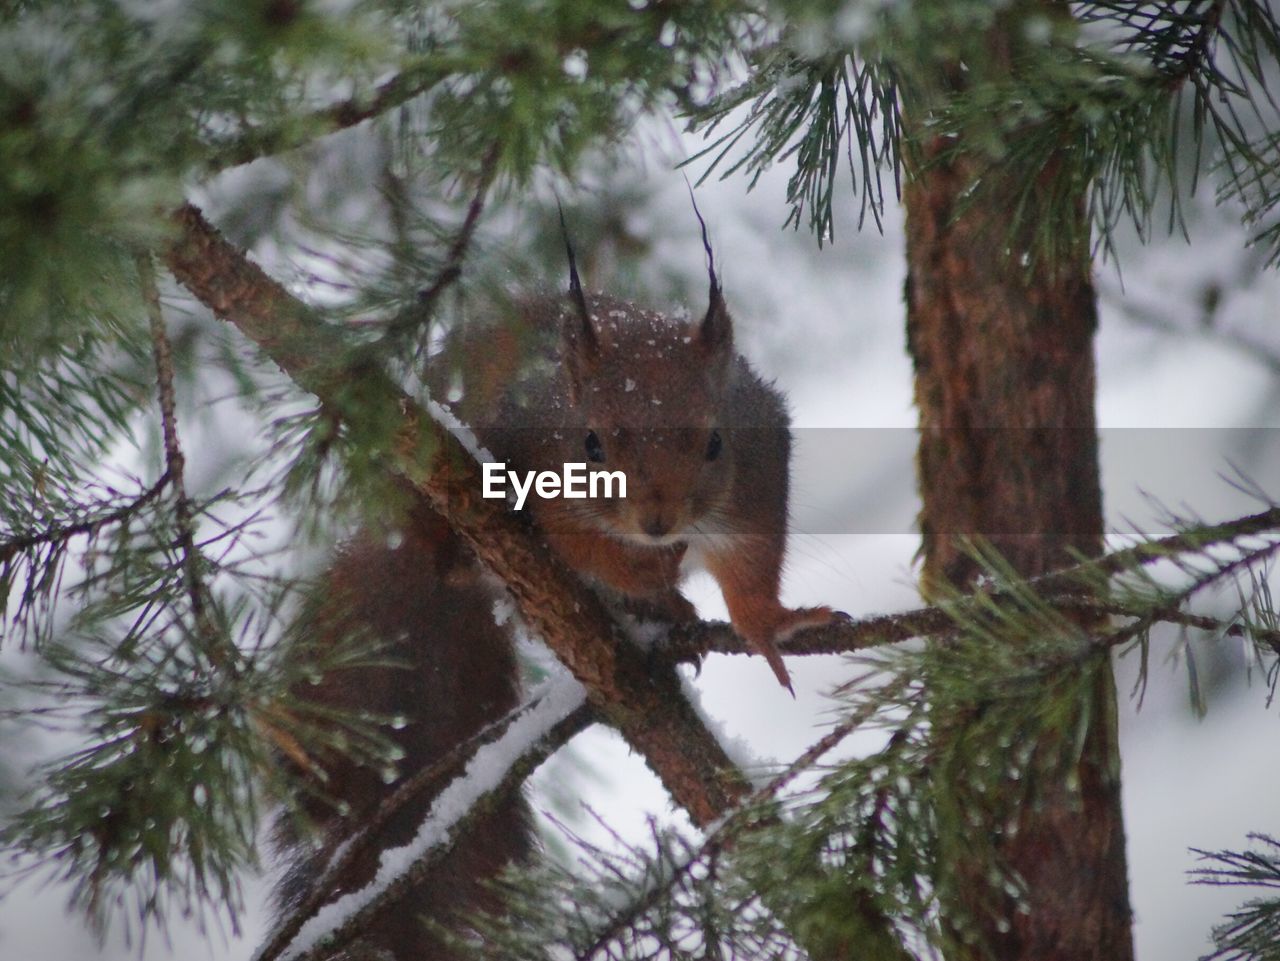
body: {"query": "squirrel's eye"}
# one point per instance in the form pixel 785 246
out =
pixel 595 450
pixel 713 445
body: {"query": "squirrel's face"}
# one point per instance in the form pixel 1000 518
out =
pixel 677 477
pixel 647 396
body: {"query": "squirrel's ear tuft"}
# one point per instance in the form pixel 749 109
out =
pixel 579 343
pixel 716 331
pixel 580 333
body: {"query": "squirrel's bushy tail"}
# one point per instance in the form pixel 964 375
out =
pixel 425 600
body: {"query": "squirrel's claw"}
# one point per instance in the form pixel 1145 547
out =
pixel 770 652
pixel 787 624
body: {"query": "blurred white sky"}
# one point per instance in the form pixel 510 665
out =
pixel 828 324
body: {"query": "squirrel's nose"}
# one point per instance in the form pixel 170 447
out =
pixel 656 526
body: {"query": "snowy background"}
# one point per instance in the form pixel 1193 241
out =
pixel 828 324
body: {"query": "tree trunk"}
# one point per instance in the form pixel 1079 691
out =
pixel 1003 353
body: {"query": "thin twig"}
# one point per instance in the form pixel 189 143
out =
pixel 1168 615
pixel 411 82
pixel 1198 51
pixel 422 310
pixel 53 535
pixel 175 461
pixel 743 816
pixel 41 552
pixel 1195 540
pixel 1170 611
pixel 1152 317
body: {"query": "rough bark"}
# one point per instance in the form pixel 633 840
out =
pixel 1003 353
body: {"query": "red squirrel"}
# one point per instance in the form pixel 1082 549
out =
pixel 704 444
pixel 703 441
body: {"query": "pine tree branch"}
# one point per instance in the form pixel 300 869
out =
pixel 1170 610
pixel 646 706
pixel 688 644
pixel 1065 590
pixel 1193 540
pixel 418 76
pixel 339 857
pixel 1249 933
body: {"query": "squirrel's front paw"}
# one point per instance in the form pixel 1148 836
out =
pixel 780 625
pixel 803 617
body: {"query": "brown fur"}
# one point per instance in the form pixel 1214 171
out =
pixel 428 600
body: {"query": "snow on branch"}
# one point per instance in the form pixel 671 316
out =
pixel 528 736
